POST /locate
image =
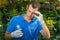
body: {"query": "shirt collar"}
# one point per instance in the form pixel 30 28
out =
pixel 22 18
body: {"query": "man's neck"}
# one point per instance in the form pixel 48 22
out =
pixel 28 19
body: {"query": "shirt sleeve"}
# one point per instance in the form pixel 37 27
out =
pixel 11 25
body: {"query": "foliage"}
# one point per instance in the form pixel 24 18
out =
pixel 13 12
pixel 1 17
pixel 50 17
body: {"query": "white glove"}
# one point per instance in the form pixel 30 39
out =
pixel 40 17
pixel 17 33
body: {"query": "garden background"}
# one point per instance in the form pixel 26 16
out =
pixel 49 8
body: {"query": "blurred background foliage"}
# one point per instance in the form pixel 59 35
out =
pixel 49 8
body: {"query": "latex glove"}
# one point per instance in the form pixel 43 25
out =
pixel 39 17
pixel 17 33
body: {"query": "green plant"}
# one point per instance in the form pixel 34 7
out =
pixel 1 17
pixel 13 12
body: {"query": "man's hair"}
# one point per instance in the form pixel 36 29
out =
pixel 35 4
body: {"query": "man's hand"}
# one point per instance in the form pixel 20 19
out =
pixel 40 17
pixel 17 33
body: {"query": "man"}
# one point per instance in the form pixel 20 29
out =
pixel 26 26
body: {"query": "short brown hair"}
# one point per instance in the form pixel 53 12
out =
pixel 35 4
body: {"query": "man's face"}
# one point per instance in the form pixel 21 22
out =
pixel 31 11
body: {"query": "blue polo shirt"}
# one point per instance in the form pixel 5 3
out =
pixel 30 29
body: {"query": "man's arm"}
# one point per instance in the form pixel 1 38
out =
pixel 7 36
pixel 45 31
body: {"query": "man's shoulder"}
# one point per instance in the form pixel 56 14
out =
pixel 17 17
pixel 35 19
